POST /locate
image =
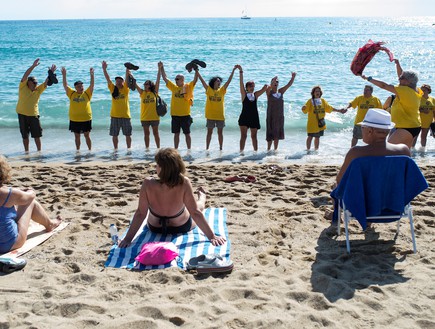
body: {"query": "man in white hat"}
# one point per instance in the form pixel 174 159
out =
pixel 375 129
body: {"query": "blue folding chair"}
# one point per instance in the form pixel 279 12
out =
pixel 378 190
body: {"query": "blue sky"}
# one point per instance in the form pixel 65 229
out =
pixel 63 9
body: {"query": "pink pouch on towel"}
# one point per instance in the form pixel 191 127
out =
pixel 157 253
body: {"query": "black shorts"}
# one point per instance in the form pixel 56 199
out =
pixel 413 131
pixel 29 124
pixel 80 127
pixel 318 134
pixel 183 122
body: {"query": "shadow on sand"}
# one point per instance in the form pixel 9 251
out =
pixel 337 274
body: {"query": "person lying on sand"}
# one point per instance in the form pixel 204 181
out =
pixel 17 208
pixel 170 201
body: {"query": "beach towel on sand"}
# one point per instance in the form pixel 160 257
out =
pixel 35 236
pixel 191 244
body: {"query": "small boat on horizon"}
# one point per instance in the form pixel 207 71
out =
pixel 245 14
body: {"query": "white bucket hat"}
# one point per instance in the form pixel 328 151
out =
pixel 377 118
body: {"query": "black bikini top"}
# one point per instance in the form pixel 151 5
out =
pixel 163 220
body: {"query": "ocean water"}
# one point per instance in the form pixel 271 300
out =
pixel 320 50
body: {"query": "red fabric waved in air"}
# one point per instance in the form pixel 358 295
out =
pixel 365 55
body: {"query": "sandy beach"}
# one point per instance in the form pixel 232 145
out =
pixel 291 271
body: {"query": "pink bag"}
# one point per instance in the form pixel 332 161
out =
pixel 157 253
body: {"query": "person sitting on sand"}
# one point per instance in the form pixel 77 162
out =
pixel 375 129
pixel 169 202
pixel 17 208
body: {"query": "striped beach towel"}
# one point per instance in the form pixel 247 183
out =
pixel 191 244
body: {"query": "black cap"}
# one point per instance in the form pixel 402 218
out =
pixel 78 82
pixel 119 78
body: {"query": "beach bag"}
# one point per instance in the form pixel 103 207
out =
pixel 157 253
pixel 320 122
pixel 161 106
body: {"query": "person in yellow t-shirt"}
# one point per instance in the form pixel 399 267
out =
pixel 181 102
pixel 363 103
pixel 316 108
pixel 27 106
pixel 405 109
pixel 215 106
pixel 120 111
pixel 80 112
pixel 148 110
pixel 427 114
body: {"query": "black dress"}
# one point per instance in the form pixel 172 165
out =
pixel 249 116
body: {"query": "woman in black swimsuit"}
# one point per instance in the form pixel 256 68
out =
pixel 170 200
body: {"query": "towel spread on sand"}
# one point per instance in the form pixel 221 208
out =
pixel 36 235
pixel 191 244
pixel 373 186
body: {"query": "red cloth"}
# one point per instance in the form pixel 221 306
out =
pixel 365 55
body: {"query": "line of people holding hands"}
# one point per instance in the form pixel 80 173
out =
pixel 412 109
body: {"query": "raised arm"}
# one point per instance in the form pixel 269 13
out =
pixel 195 77
pixel 242 84
pixel 106 75
pixel 205 85
pixel 230 77
pixel 53 69
pixel 91 85
pixel 398 68
pixel 287 86
pixel 138 218
pixel 158 80
pixel 198 216
pixel 380 84
pixel 64 82
pixel 29 70
pixel 260 92
pixel 162 72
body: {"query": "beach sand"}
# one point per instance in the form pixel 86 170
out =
pixel 290 269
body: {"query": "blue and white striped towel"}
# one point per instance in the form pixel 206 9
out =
pixel 191 244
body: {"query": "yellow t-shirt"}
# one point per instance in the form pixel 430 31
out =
pixel 28 100
pixel 312 123
pixel 215 106
pixel 148 111
pixel 427 111
pixel 120 104
pixel 404 112
pixel 79 105
pixel 181 103
pixel 364 104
